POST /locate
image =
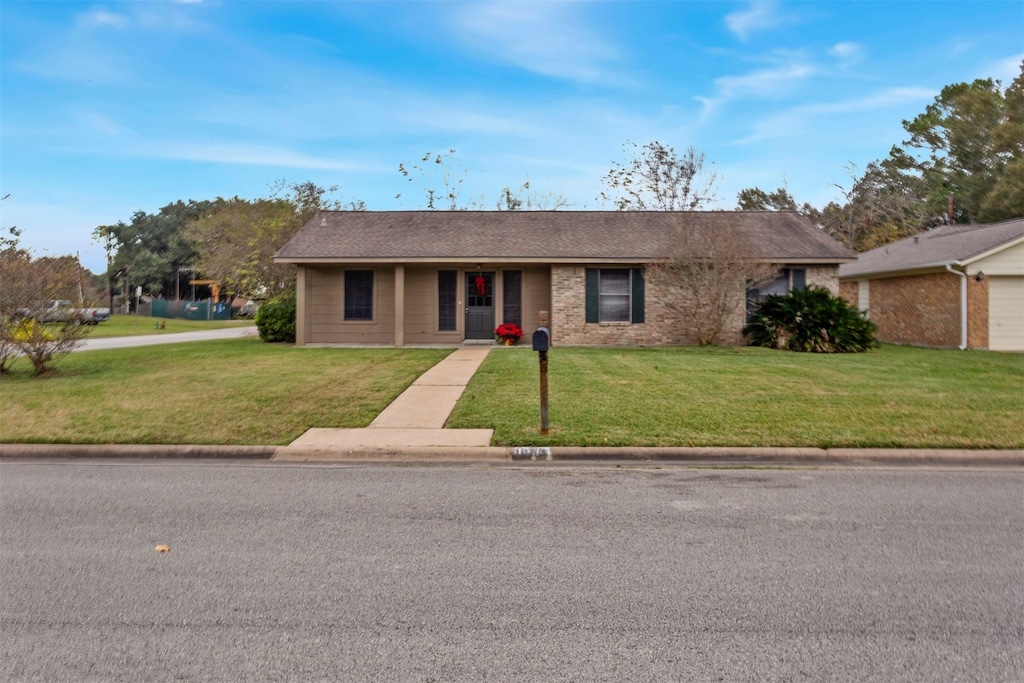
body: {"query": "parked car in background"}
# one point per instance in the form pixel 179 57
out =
pixel 61 310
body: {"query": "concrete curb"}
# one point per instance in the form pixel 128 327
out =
pixel 155 451
pixel 802 457
pixel 799 456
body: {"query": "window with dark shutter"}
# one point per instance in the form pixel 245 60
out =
pixel 615 295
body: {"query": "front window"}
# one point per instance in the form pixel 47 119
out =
pixel 613 295
pixel 786 281
pixel 358 295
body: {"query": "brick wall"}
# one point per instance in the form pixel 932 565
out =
pixel 848 290
pixel 977 313
pixel 925 310
pixel 662 326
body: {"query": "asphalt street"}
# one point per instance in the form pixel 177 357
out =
pixel 536 572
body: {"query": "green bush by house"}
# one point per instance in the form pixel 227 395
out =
pixel 810 320
pixel 275 320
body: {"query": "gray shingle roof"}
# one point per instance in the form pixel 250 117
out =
pixel 947 244
pixel 543 235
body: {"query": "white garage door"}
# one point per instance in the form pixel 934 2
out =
pixel 1006 314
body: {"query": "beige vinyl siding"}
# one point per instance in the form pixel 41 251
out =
pixel 1006 262
pixel 536 297
pixel 326 297
pixel 1006 313
pixel 421 308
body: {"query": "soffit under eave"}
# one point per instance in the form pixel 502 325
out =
pixel 902 272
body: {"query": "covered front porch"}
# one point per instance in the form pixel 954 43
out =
pixel 397 304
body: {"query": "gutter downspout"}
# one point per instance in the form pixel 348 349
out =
pixel 963 305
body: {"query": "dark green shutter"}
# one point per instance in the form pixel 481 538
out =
pixel 593 310
pixel 799 279
pixel 637 309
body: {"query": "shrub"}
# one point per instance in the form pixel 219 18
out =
pixel 275 319
pixel 810 320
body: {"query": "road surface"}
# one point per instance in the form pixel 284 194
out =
pixel 507 573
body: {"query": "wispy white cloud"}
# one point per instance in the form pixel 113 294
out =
pixel 239 153
pixel 889 97
pixel 79 61
pixel 764 82
pixel 548 38
pixel 101 18
pixel 848 53
pixel 89 123
pixel 795 121
pixel 1005 70
pixel 770 83
pixel 758 17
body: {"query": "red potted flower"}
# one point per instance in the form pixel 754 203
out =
pixel 509 333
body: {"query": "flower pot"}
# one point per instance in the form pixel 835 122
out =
pixel 508 342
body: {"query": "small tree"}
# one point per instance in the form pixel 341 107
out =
pixel 42 343
pixel 523 199
pixel 27 286
pixel 707 275
pixel 424 173
pixel 655 178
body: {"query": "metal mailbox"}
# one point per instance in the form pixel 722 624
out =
pixel 541 339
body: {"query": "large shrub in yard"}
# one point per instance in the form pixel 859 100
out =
pixel 275 319
pixel 810 320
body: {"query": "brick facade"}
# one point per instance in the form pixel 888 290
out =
pixel 925 309
pixel 848 291
pixel 662 325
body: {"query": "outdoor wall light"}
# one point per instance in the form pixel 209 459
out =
pixel 979 277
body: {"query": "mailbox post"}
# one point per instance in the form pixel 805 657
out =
pixel 541 344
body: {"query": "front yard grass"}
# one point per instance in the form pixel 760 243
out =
pixel 131 326
pixel 889 397
pixel 237 391
pixel 242 391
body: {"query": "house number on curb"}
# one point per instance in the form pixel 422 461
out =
pixel 531 452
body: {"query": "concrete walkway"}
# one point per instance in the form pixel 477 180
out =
pixel 415 419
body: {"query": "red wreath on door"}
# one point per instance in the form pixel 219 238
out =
pixel 481 285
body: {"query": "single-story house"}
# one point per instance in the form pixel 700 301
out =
pixel 444 277
pixel 953 286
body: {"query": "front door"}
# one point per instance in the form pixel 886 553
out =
pixel 479 305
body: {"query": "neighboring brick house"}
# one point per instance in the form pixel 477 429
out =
pixel 446 277
pixel 953 286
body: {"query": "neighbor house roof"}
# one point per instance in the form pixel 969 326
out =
pixel 545 236
pixel 936 248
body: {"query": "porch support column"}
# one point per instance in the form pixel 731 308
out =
pixel 300 306
pixel 400 305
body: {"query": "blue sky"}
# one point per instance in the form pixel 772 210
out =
pixel 112 107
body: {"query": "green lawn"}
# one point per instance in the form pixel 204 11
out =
pixel 130 326
pixel 237 391
pixel 242 391
pixel 889 397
